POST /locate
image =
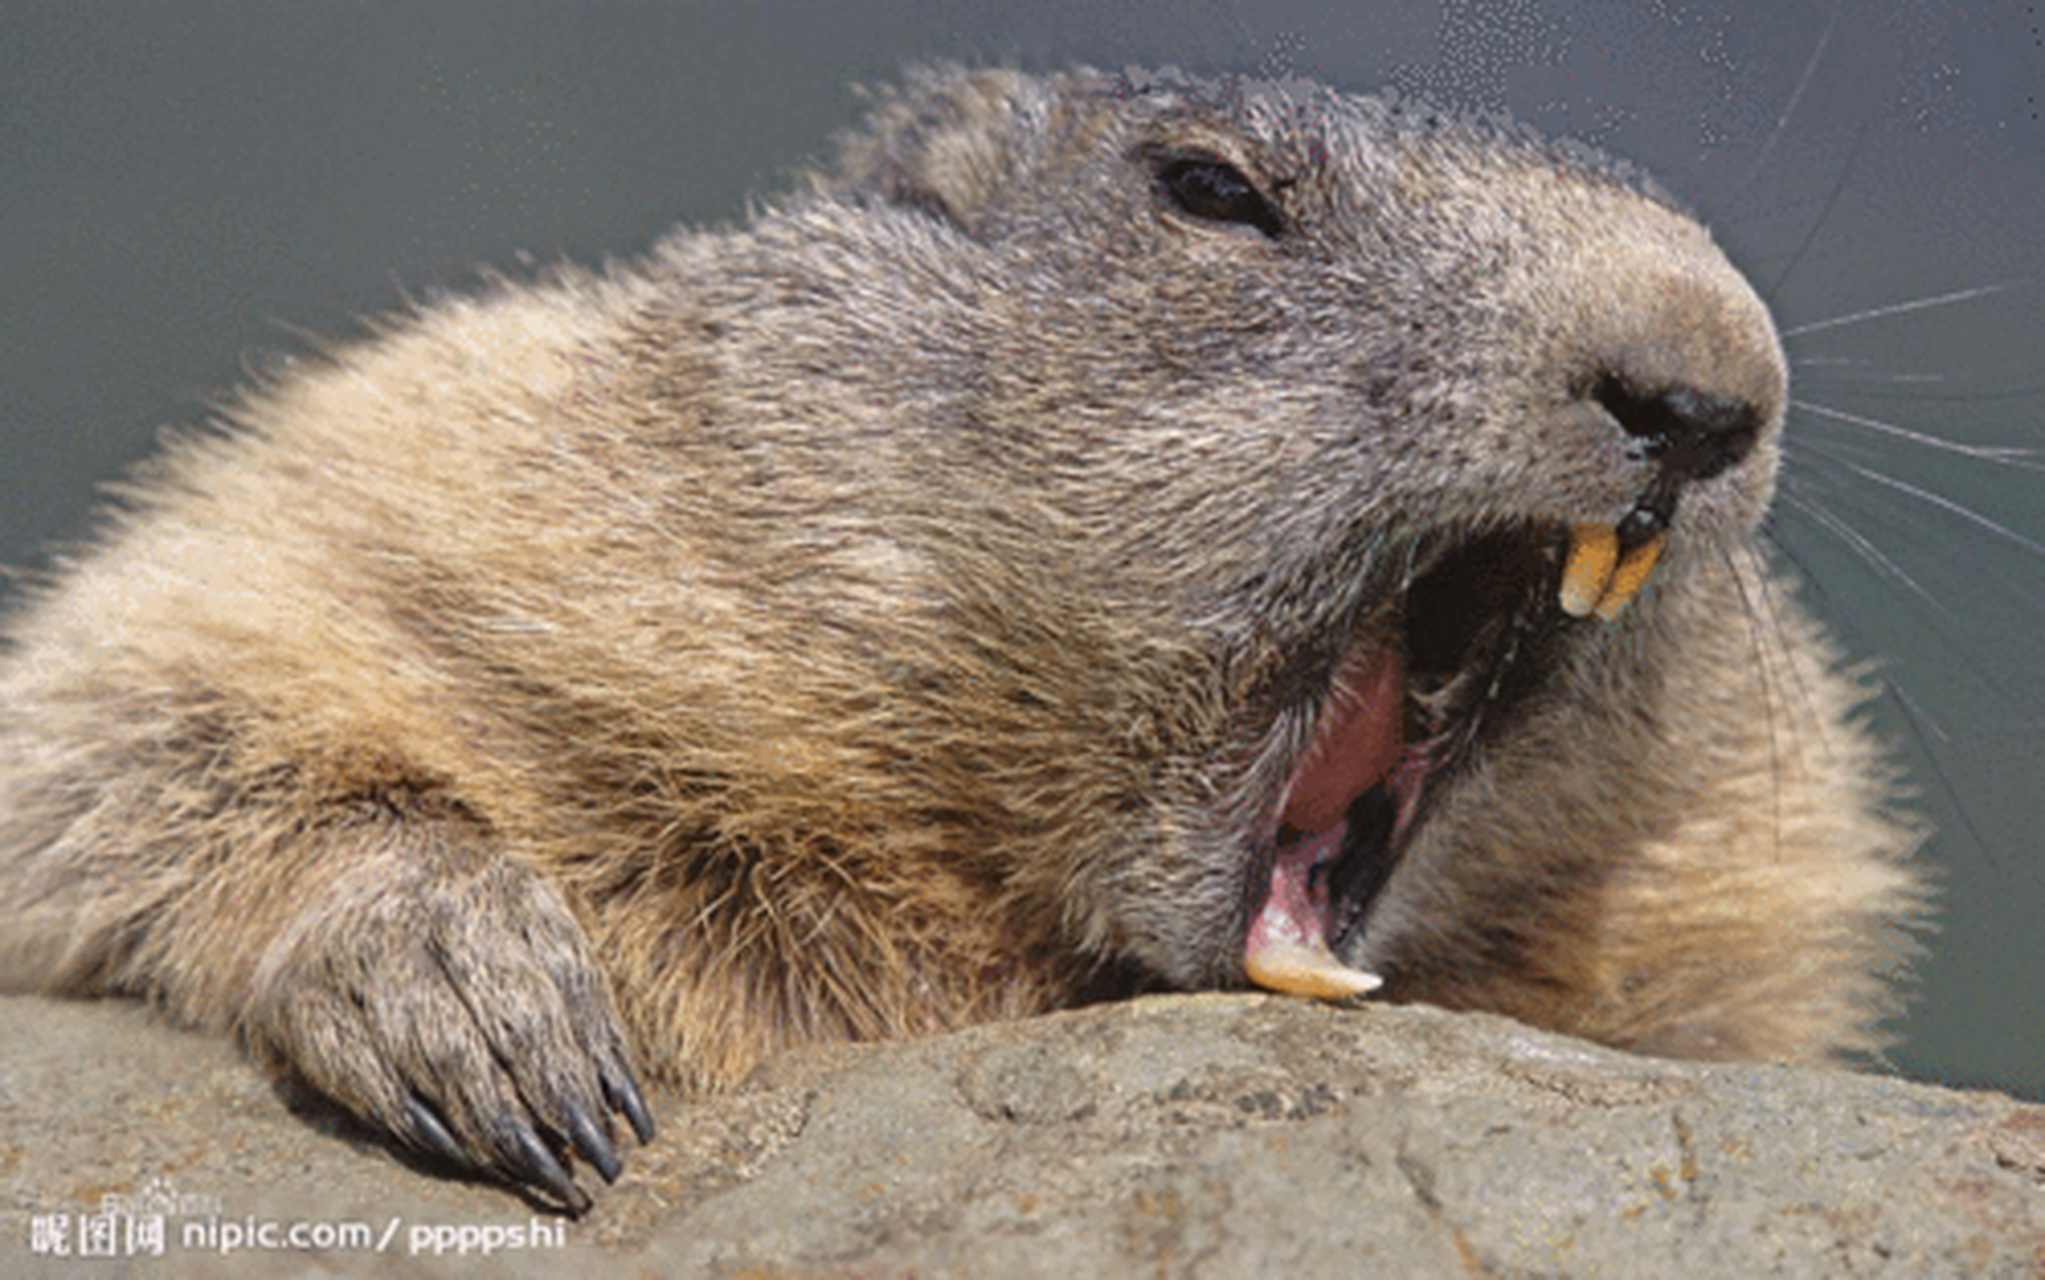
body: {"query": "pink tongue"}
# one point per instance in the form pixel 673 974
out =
pixel 1296 912
pixel 1358 742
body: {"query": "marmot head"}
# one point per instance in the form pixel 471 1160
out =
pixel 1401 422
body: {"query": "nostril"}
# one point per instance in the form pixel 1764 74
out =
pixel 1693 434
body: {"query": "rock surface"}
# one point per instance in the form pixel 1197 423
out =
pixel 1183 1136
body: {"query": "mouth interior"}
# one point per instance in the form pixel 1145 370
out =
pixel 1408 699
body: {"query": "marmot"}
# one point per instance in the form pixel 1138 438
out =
pixel 1100 534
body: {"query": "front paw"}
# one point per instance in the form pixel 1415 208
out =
pixel 447 996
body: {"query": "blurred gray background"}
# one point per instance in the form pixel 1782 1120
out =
pixel 187 191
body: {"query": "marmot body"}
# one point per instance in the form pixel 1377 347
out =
pixel 1099 535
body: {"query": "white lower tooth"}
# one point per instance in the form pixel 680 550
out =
pixel 1309 970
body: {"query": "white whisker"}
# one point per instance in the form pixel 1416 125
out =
pixel 1950 624
pixel 2013 456
pixel 1919 715
pixel 1947 505
pixel 1859 542
pixel 1796 96
pixel 1862 367
pixel 1764 635
pixel 1877 313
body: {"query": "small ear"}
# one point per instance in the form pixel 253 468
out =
pixel 944 142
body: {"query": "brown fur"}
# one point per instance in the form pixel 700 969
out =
pixel 907 611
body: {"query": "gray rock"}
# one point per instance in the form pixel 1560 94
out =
pixel 1185 1136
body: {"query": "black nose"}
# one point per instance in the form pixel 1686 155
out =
pixel 1693 436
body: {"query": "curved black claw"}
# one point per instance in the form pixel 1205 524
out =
pixel 592 1144
pixel 530 1161
pixel 432 1133
pixel 623 1096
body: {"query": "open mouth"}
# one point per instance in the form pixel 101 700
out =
pixel 1473 632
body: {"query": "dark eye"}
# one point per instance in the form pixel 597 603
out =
pixel 1216 191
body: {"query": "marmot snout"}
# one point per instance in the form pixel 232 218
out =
pixel 1098 535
